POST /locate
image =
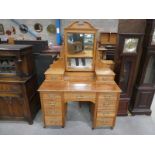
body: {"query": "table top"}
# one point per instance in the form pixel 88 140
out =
pixel 68 86
pixel 6 47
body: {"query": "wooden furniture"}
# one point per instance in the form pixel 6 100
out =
pixel 127 59
pixel 43 55
pixel 79 75
pixel 128 51
pixel 107 45
pixel 18 96
pixel 144 89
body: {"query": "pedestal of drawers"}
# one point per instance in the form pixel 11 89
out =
pixel 105 111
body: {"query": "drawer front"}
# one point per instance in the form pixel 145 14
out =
pixel 52 111
pixel 104 104
pixel 105 122
pixel 81 78
pixel 80 96
pixel 105 78
pixel 51 103
pixel 53 121
pixel 10 87
pixel 52 96
pixel 110 112
pixel 108 96
pixel 106 107
pixel 54 77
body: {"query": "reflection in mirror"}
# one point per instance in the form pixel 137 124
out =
pixel 130 45
pixel 153 38
pixel 150 71
pixel 80 63
pixel 80 42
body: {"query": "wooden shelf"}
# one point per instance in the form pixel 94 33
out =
pixel 83 54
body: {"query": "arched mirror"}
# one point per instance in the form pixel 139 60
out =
pixel 23 28
pixel 80 46
pixel 38 27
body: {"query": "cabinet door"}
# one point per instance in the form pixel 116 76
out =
pixel 5 107
pixel 11 107
pixel 17 107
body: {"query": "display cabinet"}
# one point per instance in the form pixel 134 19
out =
pixel 18 96
pixel 128 53
pixel 80 75
pixel 145 83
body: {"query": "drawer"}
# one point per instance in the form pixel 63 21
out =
pixel 54 77
pixel 106 107
pixel 52 96
pixel 108 95
pixel 51 103
pixel 50 110
pixel 104 113
pixel 105 78
pixel 53 121
pixel 105 103
pixel 10 87
pixel 81 78
pixel 80 96
pixel 106 121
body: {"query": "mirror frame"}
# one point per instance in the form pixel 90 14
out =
pixel 79 27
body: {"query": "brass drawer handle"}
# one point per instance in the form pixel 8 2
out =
pixel 52 103
pixel 80 97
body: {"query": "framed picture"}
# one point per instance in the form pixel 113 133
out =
pixel 1 29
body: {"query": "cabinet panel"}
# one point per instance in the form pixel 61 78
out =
pixel 5 107
pixel 144 98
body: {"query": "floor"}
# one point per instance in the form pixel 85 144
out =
pixel 79 123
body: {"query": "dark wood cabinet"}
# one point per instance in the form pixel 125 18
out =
pixel 128 53
pixel 145 83
pixel 18 83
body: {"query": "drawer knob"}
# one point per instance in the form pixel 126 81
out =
pixel 52 103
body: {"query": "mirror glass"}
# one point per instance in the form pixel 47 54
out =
pixel 130 45
pixel 80 51
pixel 80 42
pixel 38 27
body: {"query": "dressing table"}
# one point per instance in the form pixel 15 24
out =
pixel 79 75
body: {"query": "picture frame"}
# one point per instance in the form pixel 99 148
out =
pixel 1 29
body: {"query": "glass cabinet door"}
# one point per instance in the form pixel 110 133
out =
pixel 125 75
pixel 150 71
pixel 7 65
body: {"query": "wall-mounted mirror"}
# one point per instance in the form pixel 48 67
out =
pixel 80 42
pixel 23 28
pixel 1 29
pixel 38 27
pixel 51 28
pixel 130 45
